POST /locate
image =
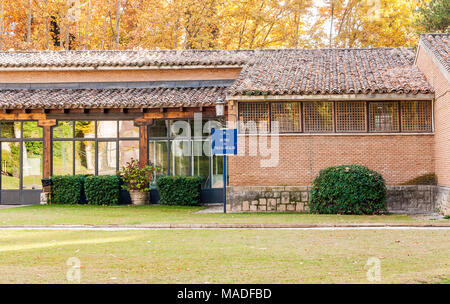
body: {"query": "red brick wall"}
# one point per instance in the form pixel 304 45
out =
pixel 398 158
pixel 441 114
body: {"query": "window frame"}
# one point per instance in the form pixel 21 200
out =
pixel 94 139
pixel 398 115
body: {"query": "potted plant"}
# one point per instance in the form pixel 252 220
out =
pixel 136 180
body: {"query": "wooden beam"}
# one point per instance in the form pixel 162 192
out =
pixel 22 116
pixel 47 125
pixel 174 115
pixel 142 122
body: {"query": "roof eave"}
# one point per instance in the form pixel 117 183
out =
pixel 331 97
pixel 120 68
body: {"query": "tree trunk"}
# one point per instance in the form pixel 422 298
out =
pixel 117 23
pixel 1 24
pixel 86 35
pixel 29 22
pixel 47 34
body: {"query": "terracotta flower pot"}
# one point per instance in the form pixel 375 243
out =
pixel 139 198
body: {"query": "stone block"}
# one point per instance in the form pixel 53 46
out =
pixel 290 207
pixel 285 197
pixel 296 196
pixel 305 196
pixel 253 208
pixel 281 208
pixel 262 202
pixel 262 208
pixel 300 207
pixel 245 206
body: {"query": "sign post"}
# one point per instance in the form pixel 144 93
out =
pixel 224 142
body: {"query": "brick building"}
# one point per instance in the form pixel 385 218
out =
pixel 297 112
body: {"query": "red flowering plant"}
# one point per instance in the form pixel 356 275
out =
pixel 137 178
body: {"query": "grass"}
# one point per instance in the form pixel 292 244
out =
pixel 86 214
pixel 225 256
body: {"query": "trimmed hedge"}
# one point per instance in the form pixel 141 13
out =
pixel 102 190
pixel 68 189
pixel 180 190
pixel 349 189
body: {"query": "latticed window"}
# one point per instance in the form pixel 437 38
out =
pixel 287 115
pixel 383 117
pixel 350 116
pixel 416 116
pixel 318 116
pixel 253 117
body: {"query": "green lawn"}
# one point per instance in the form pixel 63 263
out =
pixel 225 256
pixel 85 214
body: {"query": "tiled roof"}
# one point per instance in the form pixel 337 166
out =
pixel 118 59
pixel 110 98
pixel 331 71
pixel 439 44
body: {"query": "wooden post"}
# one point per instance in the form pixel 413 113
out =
pixel 47 125
pixel 143 123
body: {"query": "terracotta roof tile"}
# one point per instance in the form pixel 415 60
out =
pixel 330 71
pixel 110 98
pixel 439 44
pixel 116 59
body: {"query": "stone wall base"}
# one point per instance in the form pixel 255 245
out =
pixel 267 199
pixel 401 199
pixel 442 199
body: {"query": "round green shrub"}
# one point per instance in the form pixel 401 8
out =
pixel 351 189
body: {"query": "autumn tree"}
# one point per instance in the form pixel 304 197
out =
pixel 435 16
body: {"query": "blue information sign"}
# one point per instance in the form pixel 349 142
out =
pixel 224 141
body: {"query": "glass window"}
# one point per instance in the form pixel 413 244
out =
pixel 350 116
pixel 180 157
pixel 128 129
pixel 64 129
pixel 106 129
pixel 253 117
pixel 84 129
pixel 10 129
pixel 159 155
pixel 32 164
pixel 200 160
pixel 180 128
pixel 128 149
pixel 10 165
pixel 287 115
pixel 158 128
pixel 416 116
pixel 31 130
pixel 383 117
pixel 62 157
pixel 84 157
pixel 107 156
pixel 318 116
pixel 217 175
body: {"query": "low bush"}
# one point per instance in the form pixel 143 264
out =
pixel 68 189
pixel 427 179
pixel 180 190
pixel 349 189
pixel 102 190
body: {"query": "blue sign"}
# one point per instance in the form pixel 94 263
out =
pixel 224 141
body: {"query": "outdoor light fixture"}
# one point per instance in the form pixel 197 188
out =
pixel 220 107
